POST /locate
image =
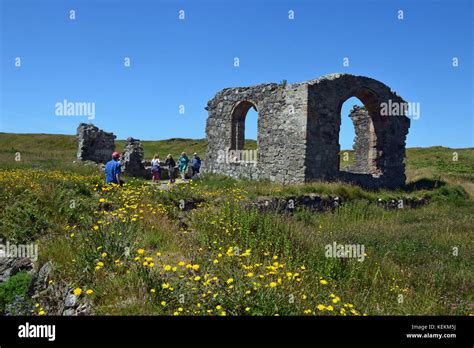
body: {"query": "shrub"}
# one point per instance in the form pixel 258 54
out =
pixel 454 194
pixel 15 286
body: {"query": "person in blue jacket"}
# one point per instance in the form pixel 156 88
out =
pixel 113 169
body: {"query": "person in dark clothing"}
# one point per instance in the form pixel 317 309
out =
pixel 171 164
pixel 195 164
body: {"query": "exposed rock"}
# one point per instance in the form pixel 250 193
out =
pixel 9 266
pixel 70 301
pixel 94 144
pixel 83 309
pixel 310 202
pixel 403 203
pixel 19 306
pixel 57 298
pixel 316 203
pixel 69 312
pixel 40 279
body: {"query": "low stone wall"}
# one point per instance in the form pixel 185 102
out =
pixel 316 203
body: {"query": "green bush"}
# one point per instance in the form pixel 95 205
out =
pixel 454 194
pixel 16 285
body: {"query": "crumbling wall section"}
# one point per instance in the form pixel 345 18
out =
pixel 364 142
pixel 133 159
pixel 94 144
pixel 387 133
pixel 281 120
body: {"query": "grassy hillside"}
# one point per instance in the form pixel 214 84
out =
pixel 142 249
pixel 57 151
pixel 44 148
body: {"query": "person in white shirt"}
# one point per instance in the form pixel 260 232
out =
pixel 155 169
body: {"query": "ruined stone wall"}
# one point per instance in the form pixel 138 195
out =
pixel 277 124
pixel 364 142
pixel 386 134
pixel 94 144
pixel 298 132
pixel 132 159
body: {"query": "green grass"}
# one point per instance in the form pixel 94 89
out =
pixel 55 151
pixel 418 259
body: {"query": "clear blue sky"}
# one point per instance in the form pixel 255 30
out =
pixel 185 62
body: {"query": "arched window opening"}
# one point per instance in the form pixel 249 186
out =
pixel 347 133
pixel 244 133
pixel 251 129
pixel 357 138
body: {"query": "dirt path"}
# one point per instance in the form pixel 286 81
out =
pixel 165 184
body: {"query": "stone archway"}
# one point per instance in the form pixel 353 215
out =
pixel 384 136
pixel 298 131
pixel 368 146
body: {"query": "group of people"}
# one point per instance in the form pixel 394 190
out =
pixel 113 168
pixel 170 163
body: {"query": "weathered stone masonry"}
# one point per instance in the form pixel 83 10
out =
pixel 132 159
pixel 94 144
pixel 298 132
pixel 97 146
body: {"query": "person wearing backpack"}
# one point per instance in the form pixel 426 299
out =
pixel 195 165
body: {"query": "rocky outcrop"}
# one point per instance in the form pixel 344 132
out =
pixel 9 266
pixel 55 296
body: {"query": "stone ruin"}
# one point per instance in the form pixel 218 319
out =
pixel 298 132
pixel 97 146
pixel 362 125
pixel 94 144
pixel 132 159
